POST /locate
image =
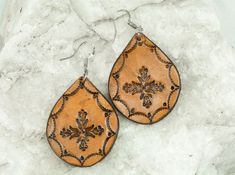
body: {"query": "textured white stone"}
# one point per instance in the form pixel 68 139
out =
pixel 197 138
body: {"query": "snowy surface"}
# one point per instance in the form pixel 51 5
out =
pixel 197 138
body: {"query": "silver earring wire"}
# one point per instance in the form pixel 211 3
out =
pixel 74 52
pixel 86 63
pixel 130 23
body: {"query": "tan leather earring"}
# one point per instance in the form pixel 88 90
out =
pixel 144 84
pixel 82 126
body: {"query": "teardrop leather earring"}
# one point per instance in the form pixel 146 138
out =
pixel 82 126
pixel 144 84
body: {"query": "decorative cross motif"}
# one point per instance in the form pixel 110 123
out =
pixel 82 132
pixel 145 87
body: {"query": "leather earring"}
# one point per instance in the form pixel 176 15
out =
pixel 144 84
pixel 82 126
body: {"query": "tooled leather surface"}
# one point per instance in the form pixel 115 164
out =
pixel 144 84
pixel 82 126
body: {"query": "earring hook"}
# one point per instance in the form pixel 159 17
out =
pixel 85 65
pixel 74 53
pixel 85 73
pixel 130 23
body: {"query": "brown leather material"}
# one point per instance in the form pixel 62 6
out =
pixel 144 84
pixel 82 126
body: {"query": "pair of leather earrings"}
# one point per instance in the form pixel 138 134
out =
pixel 144 86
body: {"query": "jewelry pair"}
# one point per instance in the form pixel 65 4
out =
pixel 144 86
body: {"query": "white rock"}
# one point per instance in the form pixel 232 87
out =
pixel 197 138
